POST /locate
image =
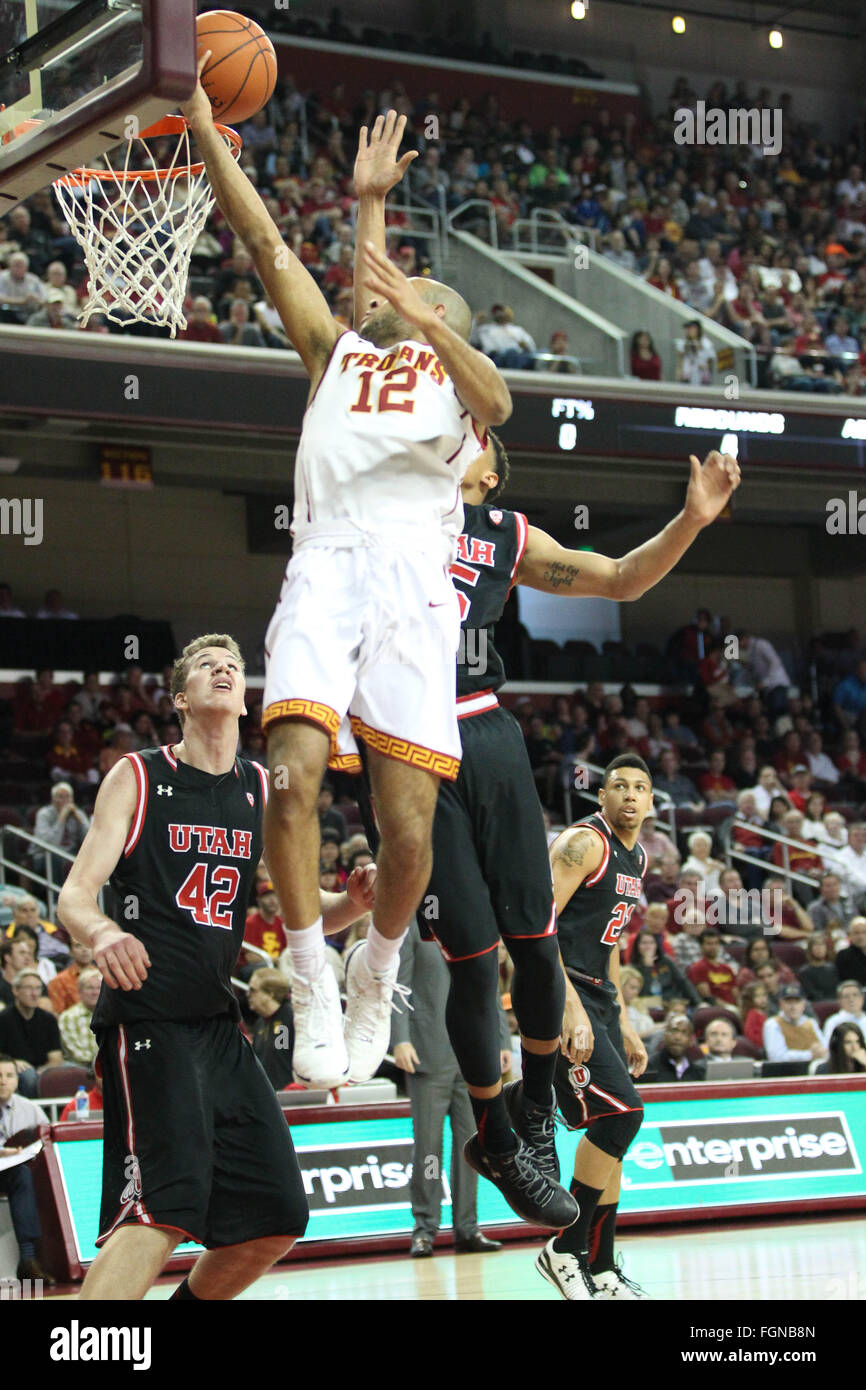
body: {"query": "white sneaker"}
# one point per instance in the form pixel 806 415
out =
pixel 614 1285
pixel 320 1060
pixel 567 1273
pixel 367 1023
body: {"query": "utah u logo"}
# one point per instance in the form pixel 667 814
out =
pixel 579 1078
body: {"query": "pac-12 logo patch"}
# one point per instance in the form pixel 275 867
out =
pixel 251 799
pixel 496 516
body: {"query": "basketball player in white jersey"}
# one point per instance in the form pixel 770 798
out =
pixel 364 636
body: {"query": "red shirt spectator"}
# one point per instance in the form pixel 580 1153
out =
pixel 720 978
pixel 753 1028
pixel 265 928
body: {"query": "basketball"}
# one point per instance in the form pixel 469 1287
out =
pixel 242 69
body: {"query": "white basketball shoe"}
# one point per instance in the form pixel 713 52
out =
pixel 320 1060
pixel 367 1022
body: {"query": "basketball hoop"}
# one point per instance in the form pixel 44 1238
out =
pixel 138 227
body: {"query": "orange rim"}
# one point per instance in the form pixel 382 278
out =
pixel 169 125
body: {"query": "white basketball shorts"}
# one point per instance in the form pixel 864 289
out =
pixel 363 642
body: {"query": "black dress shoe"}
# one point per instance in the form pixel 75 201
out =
pixel 479 1244
pixel 32 1269
pixel 421 1246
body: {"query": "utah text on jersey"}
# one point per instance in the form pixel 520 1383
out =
pixel 210 839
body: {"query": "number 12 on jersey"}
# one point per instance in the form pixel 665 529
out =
pixel 621 914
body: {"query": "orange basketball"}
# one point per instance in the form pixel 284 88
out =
pixel 242 68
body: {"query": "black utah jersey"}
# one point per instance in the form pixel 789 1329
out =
pixel 182 886
pixel 591 922
pixel 488 554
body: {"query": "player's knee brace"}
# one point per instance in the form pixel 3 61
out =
pixel 537 989
pixel 614 1133
pixel 472 1017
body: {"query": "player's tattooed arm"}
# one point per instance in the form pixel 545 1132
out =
pixel 550 567
pixel 574 856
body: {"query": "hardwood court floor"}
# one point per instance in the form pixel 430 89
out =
pixel 811 1260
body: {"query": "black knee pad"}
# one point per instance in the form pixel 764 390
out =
pixel 614 1133
pixel 472 1017
pixel 538 988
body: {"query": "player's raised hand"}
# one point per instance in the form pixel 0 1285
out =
pixel 361 886
pixel 710 486
pixel 377 168
pixel 198 110
pixel 120 958
pixel 384 280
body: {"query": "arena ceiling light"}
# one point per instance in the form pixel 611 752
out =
pixel 774 38
pixel 678 24
pixel 579 9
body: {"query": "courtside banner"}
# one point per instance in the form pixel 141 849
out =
pixel 695 1156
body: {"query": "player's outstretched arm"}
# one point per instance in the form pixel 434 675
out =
pixel 377 171
pixel 480 386
pixel 340 910
pixel 296 297
pixel 120 957
pixel 549 566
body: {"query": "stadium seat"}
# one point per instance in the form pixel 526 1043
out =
pixel 790 953
pixel 744 1048
pixel 824 1009
pixel 61 1081
pixel 707 1012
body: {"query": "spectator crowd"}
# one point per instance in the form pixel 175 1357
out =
pixel 772 248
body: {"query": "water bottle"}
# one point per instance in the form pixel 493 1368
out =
pixel 82 1104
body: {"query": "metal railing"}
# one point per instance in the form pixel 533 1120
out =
pixel 451 218
pixel 26 870
pixel 538 227
pixel 782 871
pixel 425 222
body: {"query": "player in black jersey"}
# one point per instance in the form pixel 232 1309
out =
pixel 491 874
pixel 598 869
pixel 195 1143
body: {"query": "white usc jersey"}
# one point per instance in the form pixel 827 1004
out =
pixel 384 446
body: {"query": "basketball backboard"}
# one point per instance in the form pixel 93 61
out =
pixel 76 76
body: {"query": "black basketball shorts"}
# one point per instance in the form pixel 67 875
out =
pixel 491 871
pixel 603 1085
pixel 194 1137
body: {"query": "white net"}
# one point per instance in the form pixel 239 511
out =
pixel 137 227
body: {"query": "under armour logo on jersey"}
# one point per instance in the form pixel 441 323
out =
pixel 496 516
pixel 144 1043
pixel 251 799
pixel 164 791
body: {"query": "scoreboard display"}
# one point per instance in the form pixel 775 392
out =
pixel 617 427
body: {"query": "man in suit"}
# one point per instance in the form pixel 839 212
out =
pixel 671 1061
pixel 420 1046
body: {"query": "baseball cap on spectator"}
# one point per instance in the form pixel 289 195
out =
pixel 835 248
pixel 55 297
pixel 265 886
pixel 801 767
pixel 791 992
